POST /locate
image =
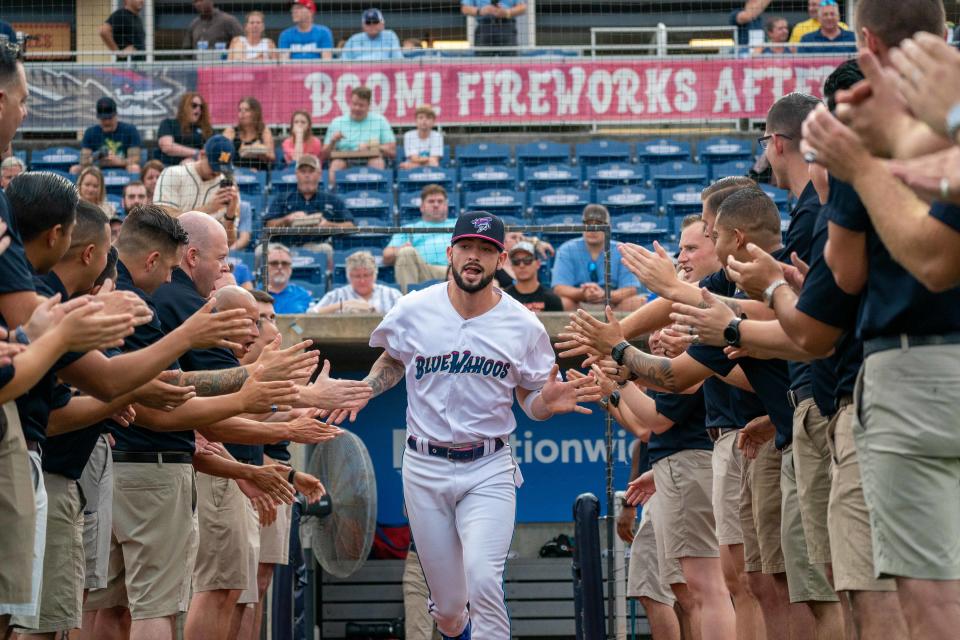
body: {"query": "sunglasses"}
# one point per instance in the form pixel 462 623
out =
pixel 521 261
pixel 197 105
pixel 280 263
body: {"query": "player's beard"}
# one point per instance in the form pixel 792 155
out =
pixel 472 288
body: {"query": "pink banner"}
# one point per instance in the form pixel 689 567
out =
pixel 564 91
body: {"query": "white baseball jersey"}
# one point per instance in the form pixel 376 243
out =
pixel 461 373
pixel 180 187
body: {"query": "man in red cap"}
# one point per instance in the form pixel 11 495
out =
pixel 305 40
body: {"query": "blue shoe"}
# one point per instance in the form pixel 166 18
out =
pixel 463 636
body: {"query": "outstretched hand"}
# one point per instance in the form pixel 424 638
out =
pixel 563 397
pixel 597 335
pixel 706 323
pixel 641 489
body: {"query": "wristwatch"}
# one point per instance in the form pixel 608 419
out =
pixel 768 292
pixel 615 399
pixel 618 350
pixel 953 121
pixel 732 332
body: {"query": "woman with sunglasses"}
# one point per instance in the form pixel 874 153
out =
pixel 180 139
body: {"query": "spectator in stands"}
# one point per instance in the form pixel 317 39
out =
pixel 92 189
pixel 211 27
pixel 308 206
pixel 578 272
pixel 418 257
pixel 134 193
pixel 180 139
pixel 777 31
pixel 305 40
pixel 375 42
pixel 7 32
pixel 411 44
pixel 747 20
pixel 359 131
pixel 496 21
pixel 362 294
pixel 527 289
pixel 301 140
pixel 811 24
pixel 10 168
pixel 423 146
pixel 830 31
pixel 252 137
pixel 252 46
pixel 116 223
pixel 111 144
pixel 244 227
pixel 149 175
pixel 544 250
pixel 123 30
pixel 287 297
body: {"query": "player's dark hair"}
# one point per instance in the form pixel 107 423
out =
pixel 787 114
pixel 148 228
pixel 893 21
pixel 262 296
pixel 110 270
pixel 752 212
pixel 9 59
pixel 41 200
pixel 90 227
pixel 716 198
pixel 843 77
pixel 726 183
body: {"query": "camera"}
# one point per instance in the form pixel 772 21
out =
pixel 227 181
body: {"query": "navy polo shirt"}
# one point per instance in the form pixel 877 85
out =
pixel 688 431
pixel 799 238
pixel 946 214
pixel 721 412
pixel 746 405
pixel 894 302
pixel 135 437
pixel 330 205
pixel 15 272
pixel 278 451
pixel 176 301
pixel 823 300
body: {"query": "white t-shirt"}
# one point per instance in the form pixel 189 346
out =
pixel 414 145
pixel 180 187
pixel 461 373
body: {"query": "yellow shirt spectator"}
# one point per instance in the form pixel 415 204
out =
pixel 803 28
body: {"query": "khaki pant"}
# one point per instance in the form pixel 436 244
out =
pixel 223 553
pixel 18 515
pixel 411 268
pixel 727 473
pixel 811 460
pixel 27 616
pixel 96 482
pixel 906 430
pixel 760 511
pixel 418 623
pixel 684 521
pixel 645 578
pixel 848 519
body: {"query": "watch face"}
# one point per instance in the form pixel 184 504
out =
pixel 731 335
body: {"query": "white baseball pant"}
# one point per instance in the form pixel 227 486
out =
pixel 462 517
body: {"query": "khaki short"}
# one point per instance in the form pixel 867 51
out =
pixel 762 486
pixel 18 514
pixel 61 594
pixel 908 411
pixel 223 554
pixel 727 472
pixel 684 519
pixel 153 546
pixel 644 578
pixel 848 519
pixel 806 581
pixel 751 544
pixel 811 461
pixel 275 539
pixel 27 616
pixel 251 594
pixel 418 623
pixel 96 482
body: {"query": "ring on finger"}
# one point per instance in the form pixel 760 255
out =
pixel 274 408
pixel 692 331
pixel 810 156
pixel 944 187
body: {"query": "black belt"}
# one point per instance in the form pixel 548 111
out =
pixel 33 445
pixel 844 401
pixel 464 453
pixel 796 396
pixel 716 433
pixel 153 457
pixel 904 341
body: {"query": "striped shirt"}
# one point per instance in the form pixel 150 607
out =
pixel 382 299
pixel 180 187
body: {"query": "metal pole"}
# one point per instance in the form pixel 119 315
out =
pixel 148 25
pixel 608 442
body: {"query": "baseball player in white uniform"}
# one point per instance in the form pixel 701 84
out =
pixel 464 347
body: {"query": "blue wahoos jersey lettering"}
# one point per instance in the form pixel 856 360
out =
pixel 455 362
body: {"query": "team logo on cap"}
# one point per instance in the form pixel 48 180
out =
pixel 481 224
pixel 224 157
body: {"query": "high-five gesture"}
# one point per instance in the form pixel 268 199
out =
pixel 123 302
pixel 600 336
pixel 207 328
pixel 564 397
pixel 286 364
pixel 654 268
pixel 306 429
pixel 332 393
pixel 258 395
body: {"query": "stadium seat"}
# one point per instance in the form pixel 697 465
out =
pixel 365 240
pixel 599 152
pixel 717 150
pixel 681 201
pixel 532 154
pixel 364 179
pixel 558 201
pixel 250 182
pixel 56 158
pixel 413 180
pixel 731 168
pixel 639 228
pixel 671 174
pixel 370 204
pixel 416 286
pixel 283 181
pixel 613 174
pixel 116 201
pixel 316 289
pixel 561 220
pixel 22 154
pixel 408 206
pixel 483 176
pixel 546 176
pixel 780 197
pixel 483 153
pixel 628 200
pixel 116 179
pixel 498 201
pixel 662 150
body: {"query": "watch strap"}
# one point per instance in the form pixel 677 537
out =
pixel 769 291
pixel 618 350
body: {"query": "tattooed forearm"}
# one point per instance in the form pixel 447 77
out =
pixel 215 383
pixel 650 370
pixel 385 373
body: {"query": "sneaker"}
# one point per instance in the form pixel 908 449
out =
pixel 463 636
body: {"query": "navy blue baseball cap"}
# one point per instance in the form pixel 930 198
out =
pixel 479 224
pixel 219 152
pixel 106 108
pixel 372 16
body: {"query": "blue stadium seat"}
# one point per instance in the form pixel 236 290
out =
pixel 246 257
pixel 413 180
pixel 640 228
pixel 680 201
pixel 61 158
pixel 22 154
pixel 537 53
pixel 364 240
pixel 532 154
pixel 371 204
pixel 558 201
pixel 116 179
pixel 720 149
pixel 499 201
pixel 561 220
pixel 250 182
pixel 281 161
pixel 780 197
pixel 662 150
pixel 483 176
pixel 316 289
pixel 730 168
pixel 513 221
pixel 364 179
pixel 483 153
pixel 628 200
pixel 283 181
pixel 671 174
pixel 408 207
pixel 599 152
pixel 613 174
pixel 546 176
pixel 416 286
pixel 116 201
